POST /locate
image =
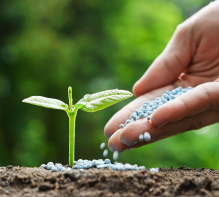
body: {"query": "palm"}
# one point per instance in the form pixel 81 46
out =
pixel 204 61
pixel 190 58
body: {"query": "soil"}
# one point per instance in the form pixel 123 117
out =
pixel 37 182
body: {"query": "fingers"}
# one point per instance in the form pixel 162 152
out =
pixel 170 64
pixel 121 116
pixel 192 110
pixel 130 134
pixel 202 98
pixel 115 144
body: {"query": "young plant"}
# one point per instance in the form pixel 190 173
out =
pixel 89 103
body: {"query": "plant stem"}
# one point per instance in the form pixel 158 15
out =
pixel 72 116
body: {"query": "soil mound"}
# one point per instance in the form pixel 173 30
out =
pixel 23 181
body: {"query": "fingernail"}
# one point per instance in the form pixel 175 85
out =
pixel 107 135
pixel 111 145
pixel 112 148
pixel 107 131
pixel 126 141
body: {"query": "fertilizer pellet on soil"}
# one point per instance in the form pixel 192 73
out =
pixel 50 163
pixel 154 170
pixel 43 165
pixel 87 164
pixel 54 169
pixel 107 161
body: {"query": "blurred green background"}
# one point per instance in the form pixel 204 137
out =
pixel 91 45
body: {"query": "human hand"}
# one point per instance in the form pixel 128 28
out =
pixel 190 58
pixel 195 109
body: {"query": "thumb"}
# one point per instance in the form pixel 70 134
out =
pixel 200 99
pixel 170 64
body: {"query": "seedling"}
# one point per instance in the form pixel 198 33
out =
pixel 89 103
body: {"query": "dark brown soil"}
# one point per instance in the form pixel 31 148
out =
pixel 38 182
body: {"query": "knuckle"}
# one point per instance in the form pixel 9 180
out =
pixel 211 104
pixel 180 29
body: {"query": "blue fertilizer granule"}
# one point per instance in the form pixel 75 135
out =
pixel 102 145
pixel 87 164
pixel 116 155
pixel 147 136
pixel 147 109
pixel 154 170
pixel 105 153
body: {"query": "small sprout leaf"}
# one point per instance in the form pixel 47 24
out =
pixel 46 102
pixel 86 96
pixel 101 100
pixel 80 105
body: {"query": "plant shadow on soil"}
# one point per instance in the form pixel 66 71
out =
pixel 23 181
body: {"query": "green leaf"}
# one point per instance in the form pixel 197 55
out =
pixel 80 105
pixel 46 102
pixel 101 100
